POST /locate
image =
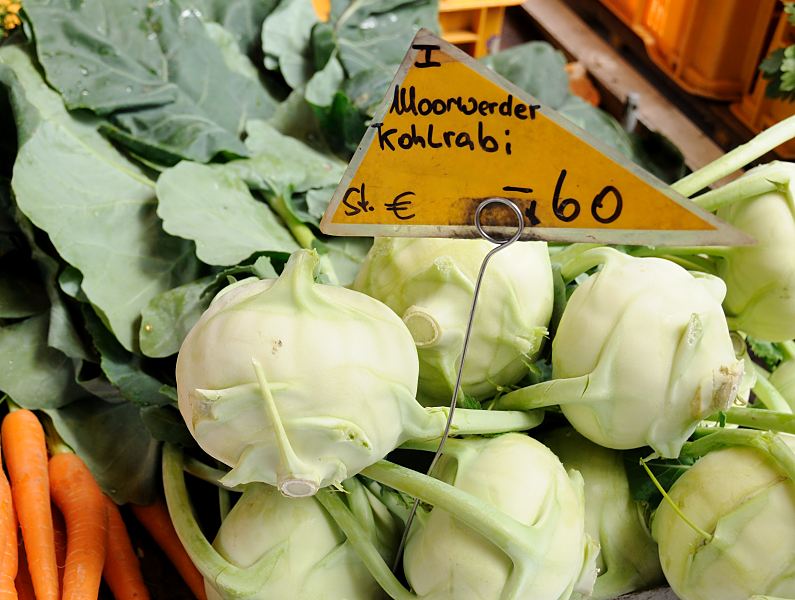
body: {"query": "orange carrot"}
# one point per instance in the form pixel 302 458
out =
pixel 8 540
pixel 82 505
pixel 26 459
pixel 155 519
pixel 59 529
pixel 23 582
pixel 122 569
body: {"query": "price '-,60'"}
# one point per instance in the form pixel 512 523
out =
pixel 605 207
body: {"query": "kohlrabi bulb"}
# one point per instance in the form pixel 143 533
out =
pixel 783 379
pixel 746 503
pixel 288 548
pixel 298 384
pixel 760 279
pixel 647 350
pixel 521 478
pixel 628 558
pixel 430 284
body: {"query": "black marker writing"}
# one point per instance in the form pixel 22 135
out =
pixel 427 48
pixel 398 206
pixel 361 205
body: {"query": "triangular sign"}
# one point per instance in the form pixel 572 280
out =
pixel 451 134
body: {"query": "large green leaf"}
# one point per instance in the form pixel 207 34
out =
pixel 212 205
pixel 101 55
pixel 154 69
pixel 31 373
pixel 242 18
pixel 535 67
pixel 598 123
pixel 168 317
pixel 122 368
pixel 97 208
pixel 115 444
pixel 377 33
pixel 283 164
pixel 286 35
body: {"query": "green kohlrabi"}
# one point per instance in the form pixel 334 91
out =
pixel 732 535
pixel 430 283
pixel 642 353
pixel 301 385
pixel 270 546
pixel 783 379
pixel 760 279
pixel 509 524
pixel 520 477
pixel 628 558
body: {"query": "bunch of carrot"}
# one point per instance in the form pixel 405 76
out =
pixel 68 549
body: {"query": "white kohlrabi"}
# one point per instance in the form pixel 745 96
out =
pixel 744 503
pixel 520 477
pixel 642 354
pixel 628 558
pixel 783 379
pixel 430 284
pixel 301 385
pixel 270 546
pixel 760 278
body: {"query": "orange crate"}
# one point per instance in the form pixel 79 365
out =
pixel 629 11
pixel 758 111
pixel 474 25
pixel 709 48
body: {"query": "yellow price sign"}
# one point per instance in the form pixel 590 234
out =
pixel 451 134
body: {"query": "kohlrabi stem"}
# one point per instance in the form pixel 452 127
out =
pixel 294 478
pixel 737 158
pixel 766 441
pixel 232 581
pixel 207 473
pixel 788 348
pixel 361 543
pixel 767 393
pixel 302 234
pixel 645 251
pixel 769 178
pixel 513 538
pixel 546 393
pixel 585 261
pixel 759 418
pixel 485 422
pixel 569 252
pixel 674 506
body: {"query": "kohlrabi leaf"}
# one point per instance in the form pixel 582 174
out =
pixel 115 444
pixel 123 369
pixel 21 291
pixel 138 63
pixel 168 317
pixel 284 165
pixel 213 206
pixel 666 471
pixel 103 56
pixel 166 425
pixel 286 34
pixel 31 373
pixel 97 208
pixel 376 33
pixel 535 67
pixel 346 255
pixel 597 123
pixel 242 18
pixel 62 333
pixel 767 352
